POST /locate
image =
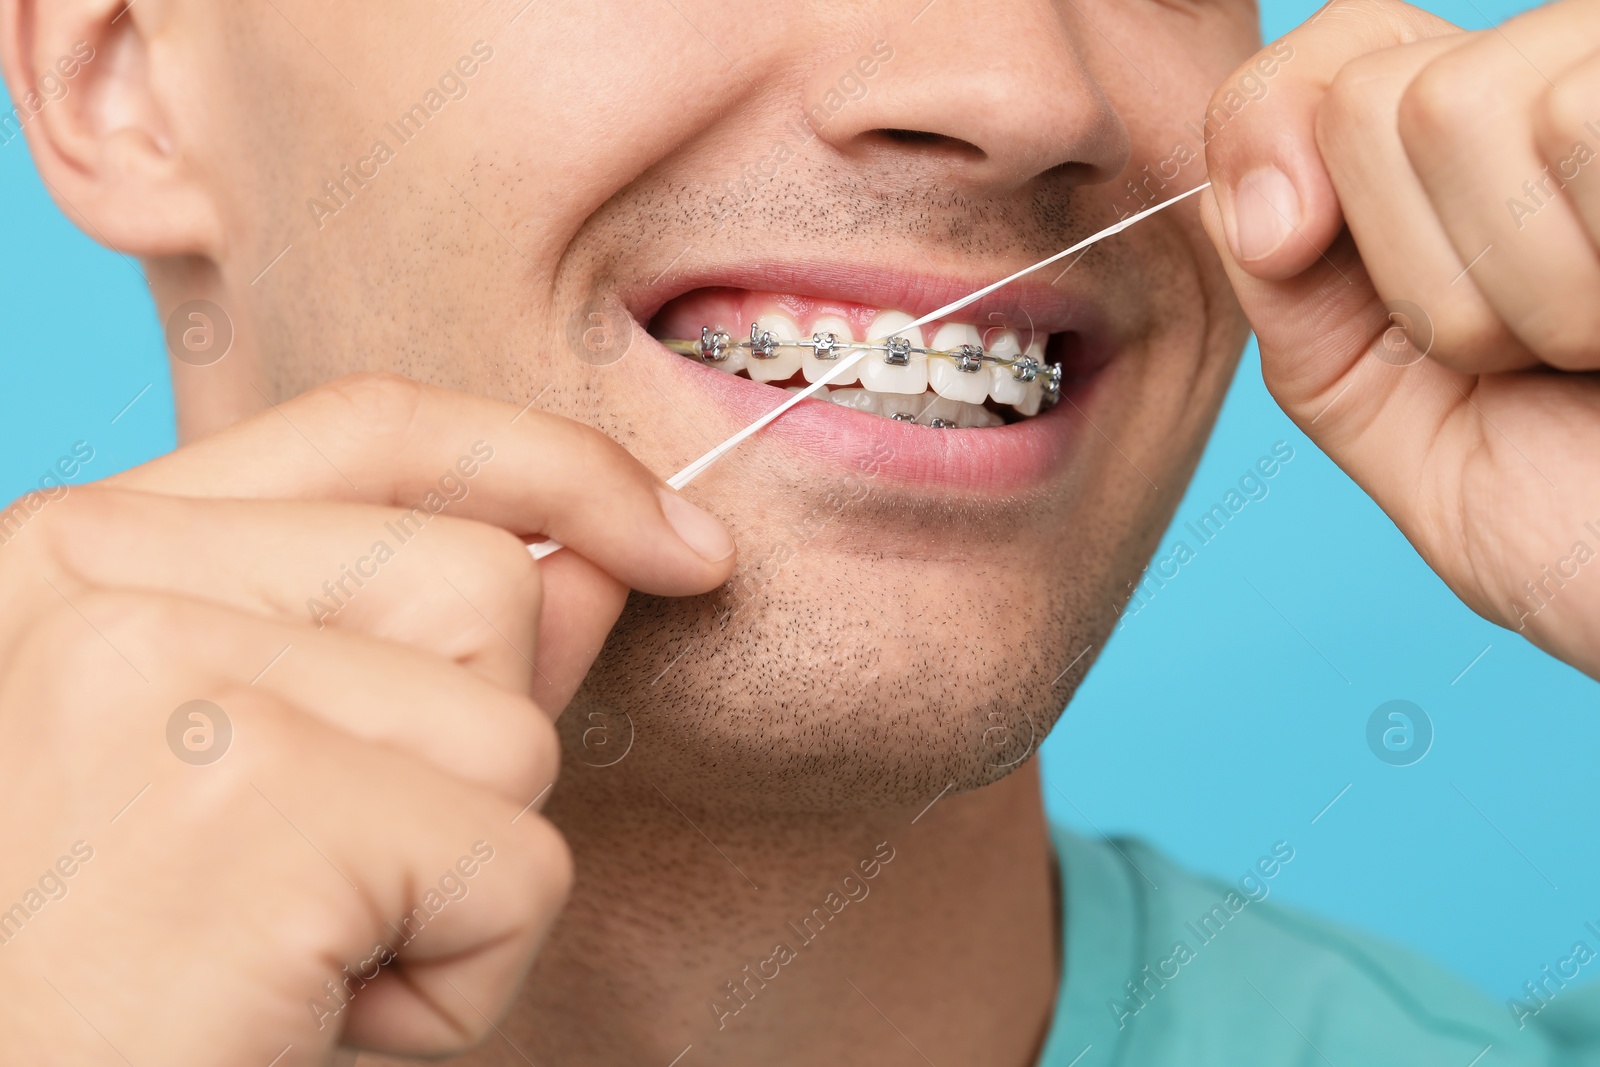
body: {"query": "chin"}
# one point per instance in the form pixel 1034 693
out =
pixel 812 697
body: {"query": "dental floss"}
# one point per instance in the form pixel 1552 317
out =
pixel 542 549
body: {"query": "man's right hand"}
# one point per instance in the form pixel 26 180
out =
pixel 189 887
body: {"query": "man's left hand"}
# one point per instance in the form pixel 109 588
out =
pixel 1410 215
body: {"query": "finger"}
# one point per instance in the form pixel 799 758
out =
pixel 1404 247
pixel 1336 363
pixel 1567 130
pixel 462 590
pixel 1466 122
pixel 381 439
pixel 1278 208
pixel 175 650
pixel 373 886
pixel 410 840
pixel 459 589
pixel 569 638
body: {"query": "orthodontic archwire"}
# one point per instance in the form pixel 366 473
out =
pixel 860 350
pixel 715 346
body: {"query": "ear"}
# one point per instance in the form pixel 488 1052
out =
pixel 102 134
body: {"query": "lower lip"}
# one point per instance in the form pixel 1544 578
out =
pixel 991 461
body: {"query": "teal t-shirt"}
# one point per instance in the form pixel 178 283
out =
pixel 1167 968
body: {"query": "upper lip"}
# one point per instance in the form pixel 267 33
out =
pixel 1028 302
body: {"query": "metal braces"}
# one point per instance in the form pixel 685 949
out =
pixel 715 345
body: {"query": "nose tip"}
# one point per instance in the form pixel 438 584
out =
pixel 993 117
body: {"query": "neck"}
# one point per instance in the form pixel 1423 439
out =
pixel 753 938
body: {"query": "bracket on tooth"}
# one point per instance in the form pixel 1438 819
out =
pixel 714 345
pixel 1052 383
pixel 941 424
pixel 824 345
pixel 762 344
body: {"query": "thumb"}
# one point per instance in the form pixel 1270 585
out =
pixel 1349 370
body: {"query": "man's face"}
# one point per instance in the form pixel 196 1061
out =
pixel 513 197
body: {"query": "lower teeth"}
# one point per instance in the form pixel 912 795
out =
pixel 925 409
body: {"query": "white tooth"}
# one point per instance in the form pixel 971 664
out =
pixel 1036 346
pixel 814 368
pixel 786 359
pixel 939 407
pixel 1002 343
pixel 1032 397
pixel 820 394
pixel 891 404
pixel 955 384
pixel 955 334
pixel 1004 384
pixel 975 415
pixel 943 375
pixel 881 377
pixel 1005 387
pixel 859 399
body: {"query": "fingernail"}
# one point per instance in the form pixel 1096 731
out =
pixel 700 530
pixel 1266 210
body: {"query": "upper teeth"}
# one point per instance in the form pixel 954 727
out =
pixel 958 362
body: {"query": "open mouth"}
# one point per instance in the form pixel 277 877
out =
pixel 944 375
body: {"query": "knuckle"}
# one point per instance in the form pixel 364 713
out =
pixel 517 585
pixel 1441 102
pixel 598 456
pixel 73 527
pixel 1561 117
pixel 24 555
pixel 95 668
pixel 535 750
pixel 1358 11
pixel 500 591
pixel 37 523
pixel 550 871
pixel 1567 346
pixel 1399 23
pixel 86 634
pixel 1476 342
pixel 376 404
pixel 29 509
pixel 1357 95
pixel 76 680
pixel 267 736
pixel 1468 335
pixel 135 622
pixel 55 647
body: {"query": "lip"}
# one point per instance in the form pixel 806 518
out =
pixel 1028 300
pixel 989 462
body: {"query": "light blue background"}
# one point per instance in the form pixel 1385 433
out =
pixel 1210 725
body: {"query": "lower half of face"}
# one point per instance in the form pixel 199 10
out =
pixel 930 557
pixel 932 550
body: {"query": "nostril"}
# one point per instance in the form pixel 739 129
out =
pixel 924 139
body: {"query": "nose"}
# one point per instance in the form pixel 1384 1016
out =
pixel 975 93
